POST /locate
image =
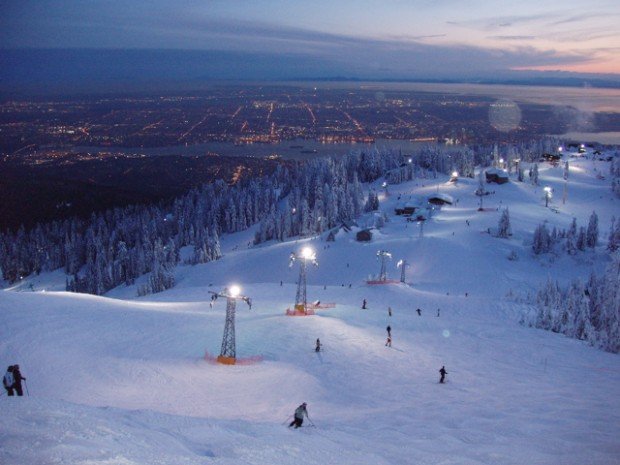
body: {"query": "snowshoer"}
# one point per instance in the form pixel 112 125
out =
pixel 443 374
pixel 18 380
pixel 299 415
pixel 388 343
pixel 389 330
pixel 318 345
pixel 9 381
pixel 419 312
pixel 364 304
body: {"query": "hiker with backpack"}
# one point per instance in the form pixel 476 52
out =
pixel 298 419
pixel 17 376
pixel 9 381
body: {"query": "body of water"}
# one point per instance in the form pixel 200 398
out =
pixel 586 99
pixel 296 149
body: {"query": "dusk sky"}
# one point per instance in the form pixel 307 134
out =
pixel 391 38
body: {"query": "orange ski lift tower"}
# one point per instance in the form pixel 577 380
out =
pixel 301 302
pixel 228 355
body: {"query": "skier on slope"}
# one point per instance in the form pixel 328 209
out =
pixel 9 381
pixel 389 330
pixel 299 416
pixel 443 374
pixel 364 304
pixel 18 380
pixel 318 345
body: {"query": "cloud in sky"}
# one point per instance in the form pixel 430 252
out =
pixel 388 36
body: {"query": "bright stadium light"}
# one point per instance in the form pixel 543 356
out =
pixel 234 290
pixel 307 253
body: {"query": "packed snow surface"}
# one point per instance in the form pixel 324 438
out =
pixel 123 380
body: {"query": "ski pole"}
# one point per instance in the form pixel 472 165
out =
pixel 287 419
pixel 311 422
pixel 26 384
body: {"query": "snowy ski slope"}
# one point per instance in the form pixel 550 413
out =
pixel 122 380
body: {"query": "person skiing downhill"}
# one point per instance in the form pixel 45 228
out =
pixel 318 345
pixel 388 343
pixel 443 374
pixel 298 419
pixel 9 381
pixel 364 304
pixel 389 330
pixel 18 380
pixel 389 311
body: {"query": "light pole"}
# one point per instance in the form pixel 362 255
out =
pixel 307 254
pixel 403 266
pixel 228 353
pixel 384 254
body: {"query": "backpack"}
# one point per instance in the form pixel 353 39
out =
pixel 8 380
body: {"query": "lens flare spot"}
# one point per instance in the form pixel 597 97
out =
pixel 446 333
pixel 504 115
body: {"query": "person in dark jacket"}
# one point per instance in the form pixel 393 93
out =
pixel 18 380
pixel 443 374
pixel 318 345
pixel 364 304
pixel 389 330
pixel 9 381
pixel 300 411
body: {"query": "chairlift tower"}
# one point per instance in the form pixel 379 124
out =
pixel 403 265
pixel 228 354
pixel 306 255
pixel 384 255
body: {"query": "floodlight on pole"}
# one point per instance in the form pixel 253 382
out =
pixel 228 352
pixel 301 300
pixel 403 265
pixel 383 255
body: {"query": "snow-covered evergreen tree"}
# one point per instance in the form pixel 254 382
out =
pixel 592 232
pixel 542 240
pixel 590 312
pixel 503 228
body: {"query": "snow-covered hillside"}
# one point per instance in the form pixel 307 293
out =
pixel 123 380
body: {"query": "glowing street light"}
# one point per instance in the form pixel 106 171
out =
pixel 548 195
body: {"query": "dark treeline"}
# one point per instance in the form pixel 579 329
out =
pixel 119 245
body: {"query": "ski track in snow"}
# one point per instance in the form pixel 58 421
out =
pixel 122 380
